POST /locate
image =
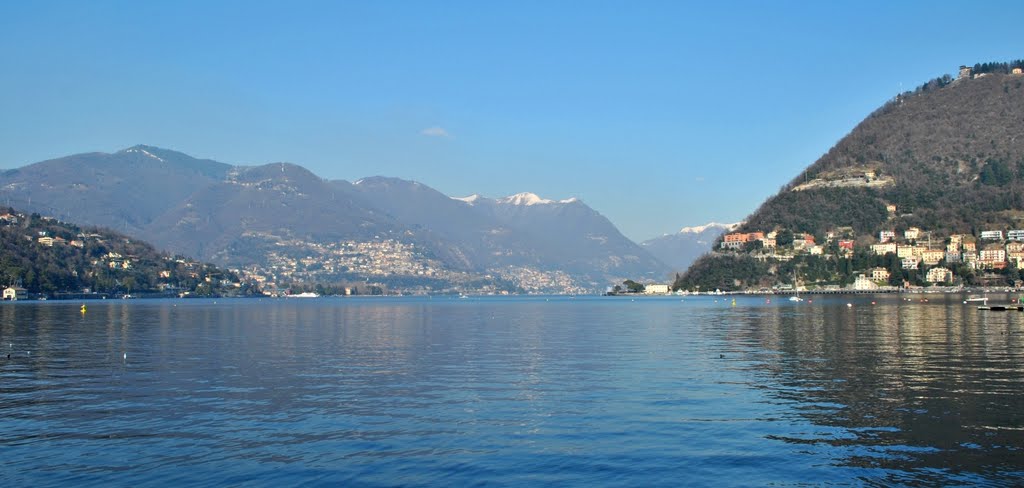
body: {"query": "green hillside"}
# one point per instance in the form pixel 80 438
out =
pixel 946 159
pixel 49 258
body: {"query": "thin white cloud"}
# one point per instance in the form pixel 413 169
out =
pixel 435 132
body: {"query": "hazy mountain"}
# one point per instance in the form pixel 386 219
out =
pixel 567 232
pixel 949 156
pixel 232 220
pixel 241 216
pixel 681 249
pixel 520 230
pixel 126 190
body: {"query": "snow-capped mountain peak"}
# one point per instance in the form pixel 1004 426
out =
pixel 470 199
pixel 525 198
pixel 710 225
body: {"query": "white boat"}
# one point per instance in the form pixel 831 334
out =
pixel 307 294
pixel 796 288
pixel 977 299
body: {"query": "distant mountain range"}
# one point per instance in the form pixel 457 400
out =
pixel 265 217
pixel 681 249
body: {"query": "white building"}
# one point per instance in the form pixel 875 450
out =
pixel 656 289
pixel 992 255
pixel 932 256
pixel 996 235
pixel 883 249
pixel 886 236
pixel 732 245
pixel 939 275
pixel 862 282
pixel 1015 235
pixel 15 293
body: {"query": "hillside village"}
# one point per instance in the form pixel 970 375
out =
pixel 901 258
pixel 43 257
pixel 387 265
pixel 948 154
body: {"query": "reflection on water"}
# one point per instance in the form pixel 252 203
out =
pixel 929 392
pixel 570 391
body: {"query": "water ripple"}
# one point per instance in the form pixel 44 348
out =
pixel 656 392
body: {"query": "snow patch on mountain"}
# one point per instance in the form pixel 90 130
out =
pixel 527 199
pixel 710 225
pixel 144 152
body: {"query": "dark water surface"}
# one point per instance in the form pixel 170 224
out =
pixel 513 391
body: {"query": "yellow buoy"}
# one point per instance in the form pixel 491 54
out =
pixel 83 308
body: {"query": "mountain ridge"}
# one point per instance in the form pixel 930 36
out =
pixel 274 215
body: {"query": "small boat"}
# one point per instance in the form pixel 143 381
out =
pixel 796 288
pixel 1002 308
pixel 307 294
pixel 977 299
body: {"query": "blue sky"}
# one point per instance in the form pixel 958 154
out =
pixel 657 114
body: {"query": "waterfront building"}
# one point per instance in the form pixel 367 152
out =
pixel 656 289
pixel 862 282
pixel 15 293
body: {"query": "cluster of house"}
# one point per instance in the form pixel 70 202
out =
pixel 112 260
pixel 871 279
pixel 50 241
pixel 967 72
pixel 994 251
pixel 991 250
pixel 801 242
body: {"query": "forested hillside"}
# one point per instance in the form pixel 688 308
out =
pixel 946 158
pixel 954 152
pixel 46 257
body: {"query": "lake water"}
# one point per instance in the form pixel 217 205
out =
pixel 512 391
